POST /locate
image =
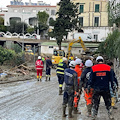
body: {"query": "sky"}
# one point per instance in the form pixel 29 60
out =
pixel 4 3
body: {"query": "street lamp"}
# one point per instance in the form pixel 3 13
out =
pixel 23 35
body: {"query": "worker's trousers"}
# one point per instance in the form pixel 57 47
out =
pixel 48 70
pixel 60 79
pixel 96 100
pixel 39 72
pixel 88 96
pixel 76 100
pixel 68 96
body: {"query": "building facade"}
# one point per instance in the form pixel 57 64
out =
pixel 93 17
pixel 27 12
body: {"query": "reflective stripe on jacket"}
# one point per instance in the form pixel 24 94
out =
pixel 61 67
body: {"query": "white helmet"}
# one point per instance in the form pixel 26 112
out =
pixel 78 61
pixel 72 64
pixel 88 63
pixel 39 57
pixel 64 59
pixel 76 57
pixel 99 57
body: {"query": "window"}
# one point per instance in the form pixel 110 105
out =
pixel 81 8
pixel 52 12
pixel 96 24
pixel 96 37
pixel 97 8
pixel 81 21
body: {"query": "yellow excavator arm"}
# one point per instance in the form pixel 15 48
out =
pixel 75 41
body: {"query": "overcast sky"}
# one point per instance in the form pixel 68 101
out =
pixel 4 3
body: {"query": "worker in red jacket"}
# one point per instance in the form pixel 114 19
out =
pixel 39 67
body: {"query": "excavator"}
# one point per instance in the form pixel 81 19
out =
pixel 58 54
pixel 73 42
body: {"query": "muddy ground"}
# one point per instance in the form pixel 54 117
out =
pixel 33 100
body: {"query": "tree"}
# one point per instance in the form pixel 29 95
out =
pixel 113 13
pixel 1 21
pixel 42 18
pixel 65 22
pixel 111 46
pixel 17 27
pixel 30 30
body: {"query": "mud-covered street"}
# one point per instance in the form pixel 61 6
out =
pixel 34 100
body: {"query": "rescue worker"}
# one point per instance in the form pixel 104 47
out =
pixel 71 85
pixel 115 82
pixel 39 67
pixel 83 83
pixel 100 77
pixel 48 67
pixel 77 98
pixel 60 73
pixel 43 59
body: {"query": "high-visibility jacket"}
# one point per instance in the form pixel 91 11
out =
pixel 61 67
pixel 39 65
pixel 79 72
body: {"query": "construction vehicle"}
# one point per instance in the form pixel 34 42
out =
pixel 73 42
pixel 28 50
pixel 57 55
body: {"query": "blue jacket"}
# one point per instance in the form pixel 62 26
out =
pixel 84 78
pixel 70 78
pixel 48 63
pixel 100 77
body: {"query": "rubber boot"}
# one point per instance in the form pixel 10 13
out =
pixel 75 109
pixel 40 78
pixel 49 78
pixel 46 78
pixel 89 107
pixel 64 111
pixel 70 112
pixel 60 90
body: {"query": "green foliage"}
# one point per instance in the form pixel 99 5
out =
pixel 17 48
pixel 1 21
pixel 3 28
pixel 110 46
pixel 113 13
pixel 5 54
pixel 17 27
pixel 66 21
pixel 10 56
pixel 42 18
pixel 30 30
pixel 18 59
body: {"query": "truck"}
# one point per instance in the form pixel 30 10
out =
pixel 84 36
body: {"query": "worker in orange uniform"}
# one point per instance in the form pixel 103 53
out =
pixel 39 67
pixel 77 97
pixel 83 83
